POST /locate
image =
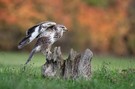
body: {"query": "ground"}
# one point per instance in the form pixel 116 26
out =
pixel 108 72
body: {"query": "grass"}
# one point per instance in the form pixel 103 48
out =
pixel 108 73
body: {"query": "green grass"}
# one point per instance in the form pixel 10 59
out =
pixel 108 73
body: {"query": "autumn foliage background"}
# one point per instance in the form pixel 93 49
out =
pixel 104 26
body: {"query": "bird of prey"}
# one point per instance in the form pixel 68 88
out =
pixel 34 31
pixel 46 34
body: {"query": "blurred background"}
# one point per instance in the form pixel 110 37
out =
pixel 104 26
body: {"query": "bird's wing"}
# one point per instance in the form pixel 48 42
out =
pixel 32 34
pixel 31 30
pixel 47 32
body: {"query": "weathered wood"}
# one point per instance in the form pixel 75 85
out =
pixel 75 66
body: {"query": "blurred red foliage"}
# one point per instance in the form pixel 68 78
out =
pixel 107 27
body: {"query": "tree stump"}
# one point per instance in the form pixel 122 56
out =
pixel 75 66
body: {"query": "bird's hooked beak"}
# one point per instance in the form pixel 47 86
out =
pixel 65 29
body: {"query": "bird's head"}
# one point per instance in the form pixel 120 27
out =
pixel 61 28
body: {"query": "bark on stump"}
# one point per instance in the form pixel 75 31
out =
pixel 75 66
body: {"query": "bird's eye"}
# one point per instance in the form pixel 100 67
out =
pixel 63 27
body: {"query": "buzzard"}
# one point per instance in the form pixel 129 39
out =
pixel 46 34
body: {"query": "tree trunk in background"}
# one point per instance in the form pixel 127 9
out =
pixel 130 37
pixel 75 66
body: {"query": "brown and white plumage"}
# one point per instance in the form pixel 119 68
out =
pixel 34 32
pixel 46 38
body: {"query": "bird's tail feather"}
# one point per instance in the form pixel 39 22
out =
pixel 30 56
pixel 24 42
